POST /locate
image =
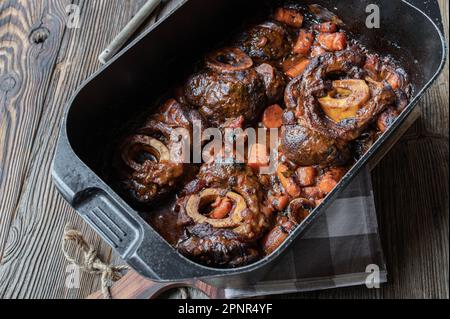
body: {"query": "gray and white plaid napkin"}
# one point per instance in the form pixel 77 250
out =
pixel 335 252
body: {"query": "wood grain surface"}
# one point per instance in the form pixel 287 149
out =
pixel 42 62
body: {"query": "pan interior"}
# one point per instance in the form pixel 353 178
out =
pixel 132 85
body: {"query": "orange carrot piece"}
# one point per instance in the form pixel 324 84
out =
pixel 274 239
pixel 386 119
pixel 279 202
pixel 327 184
pixel 306 176
pixel 394 80
pixel 258 156
pixel 298 69
pixel 222 209
pixel 317 50
pixel 304 42
pixel 331 178
pixel 333 41
pixel 290 17
pixel 313 193
pixel 288 183
pixel 273 116
pixel 328 27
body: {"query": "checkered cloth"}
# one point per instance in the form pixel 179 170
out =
pixel 334 252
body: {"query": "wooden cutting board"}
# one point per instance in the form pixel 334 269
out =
pixel 134 286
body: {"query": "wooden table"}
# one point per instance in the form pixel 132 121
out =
pixel 43 61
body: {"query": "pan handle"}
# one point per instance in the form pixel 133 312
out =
pixel 132 26
pixel 119 225
pixel 136 242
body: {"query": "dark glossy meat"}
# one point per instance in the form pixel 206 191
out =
pixel 147 170
pixel 383 69
pixel 371 97
pixel 216 247
pixel 311 137
pixel 241 180
pixel 306 147
pixel 224 96
pixel 266 42
pixel 229 239
pixel 171 115
pixel 364 143
pixel 152 180
pixel 228 88
pixel 274 82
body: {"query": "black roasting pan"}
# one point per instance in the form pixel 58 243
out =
pixel 152 63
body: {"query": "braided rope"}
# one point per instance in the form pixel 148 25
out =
pixel 91 263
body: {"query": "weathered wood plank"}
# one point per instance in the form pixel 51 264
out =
pixel 30 37
pixel 32 262
pixel 435 105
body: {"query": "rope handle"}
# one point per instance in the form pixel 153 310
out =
pixel 91 263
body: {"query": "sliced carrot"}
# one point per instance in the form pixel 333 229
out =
pixel 394 80
pixel 290 17
pixel 288 183
pixel 333 41
pixel 290 62
pixel 288 225
pixel 258 156
pixel 327 184
pixel 298 68
pixel 386 119
pixel 273 116
pixel 304 42
pixel 279 202
pixel 274 239
pixel 328 27
pixel 313 193
pixel 306 176
pixel 331 178
pixel 267 210
pixel 372 65
pixel 222 209
pixel 283 201
pixel 317 50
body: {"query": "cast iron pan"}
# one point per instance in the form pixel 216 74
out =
pixel 151 64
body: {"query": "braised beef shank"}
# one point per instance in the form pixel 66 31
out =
pixel 299 73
